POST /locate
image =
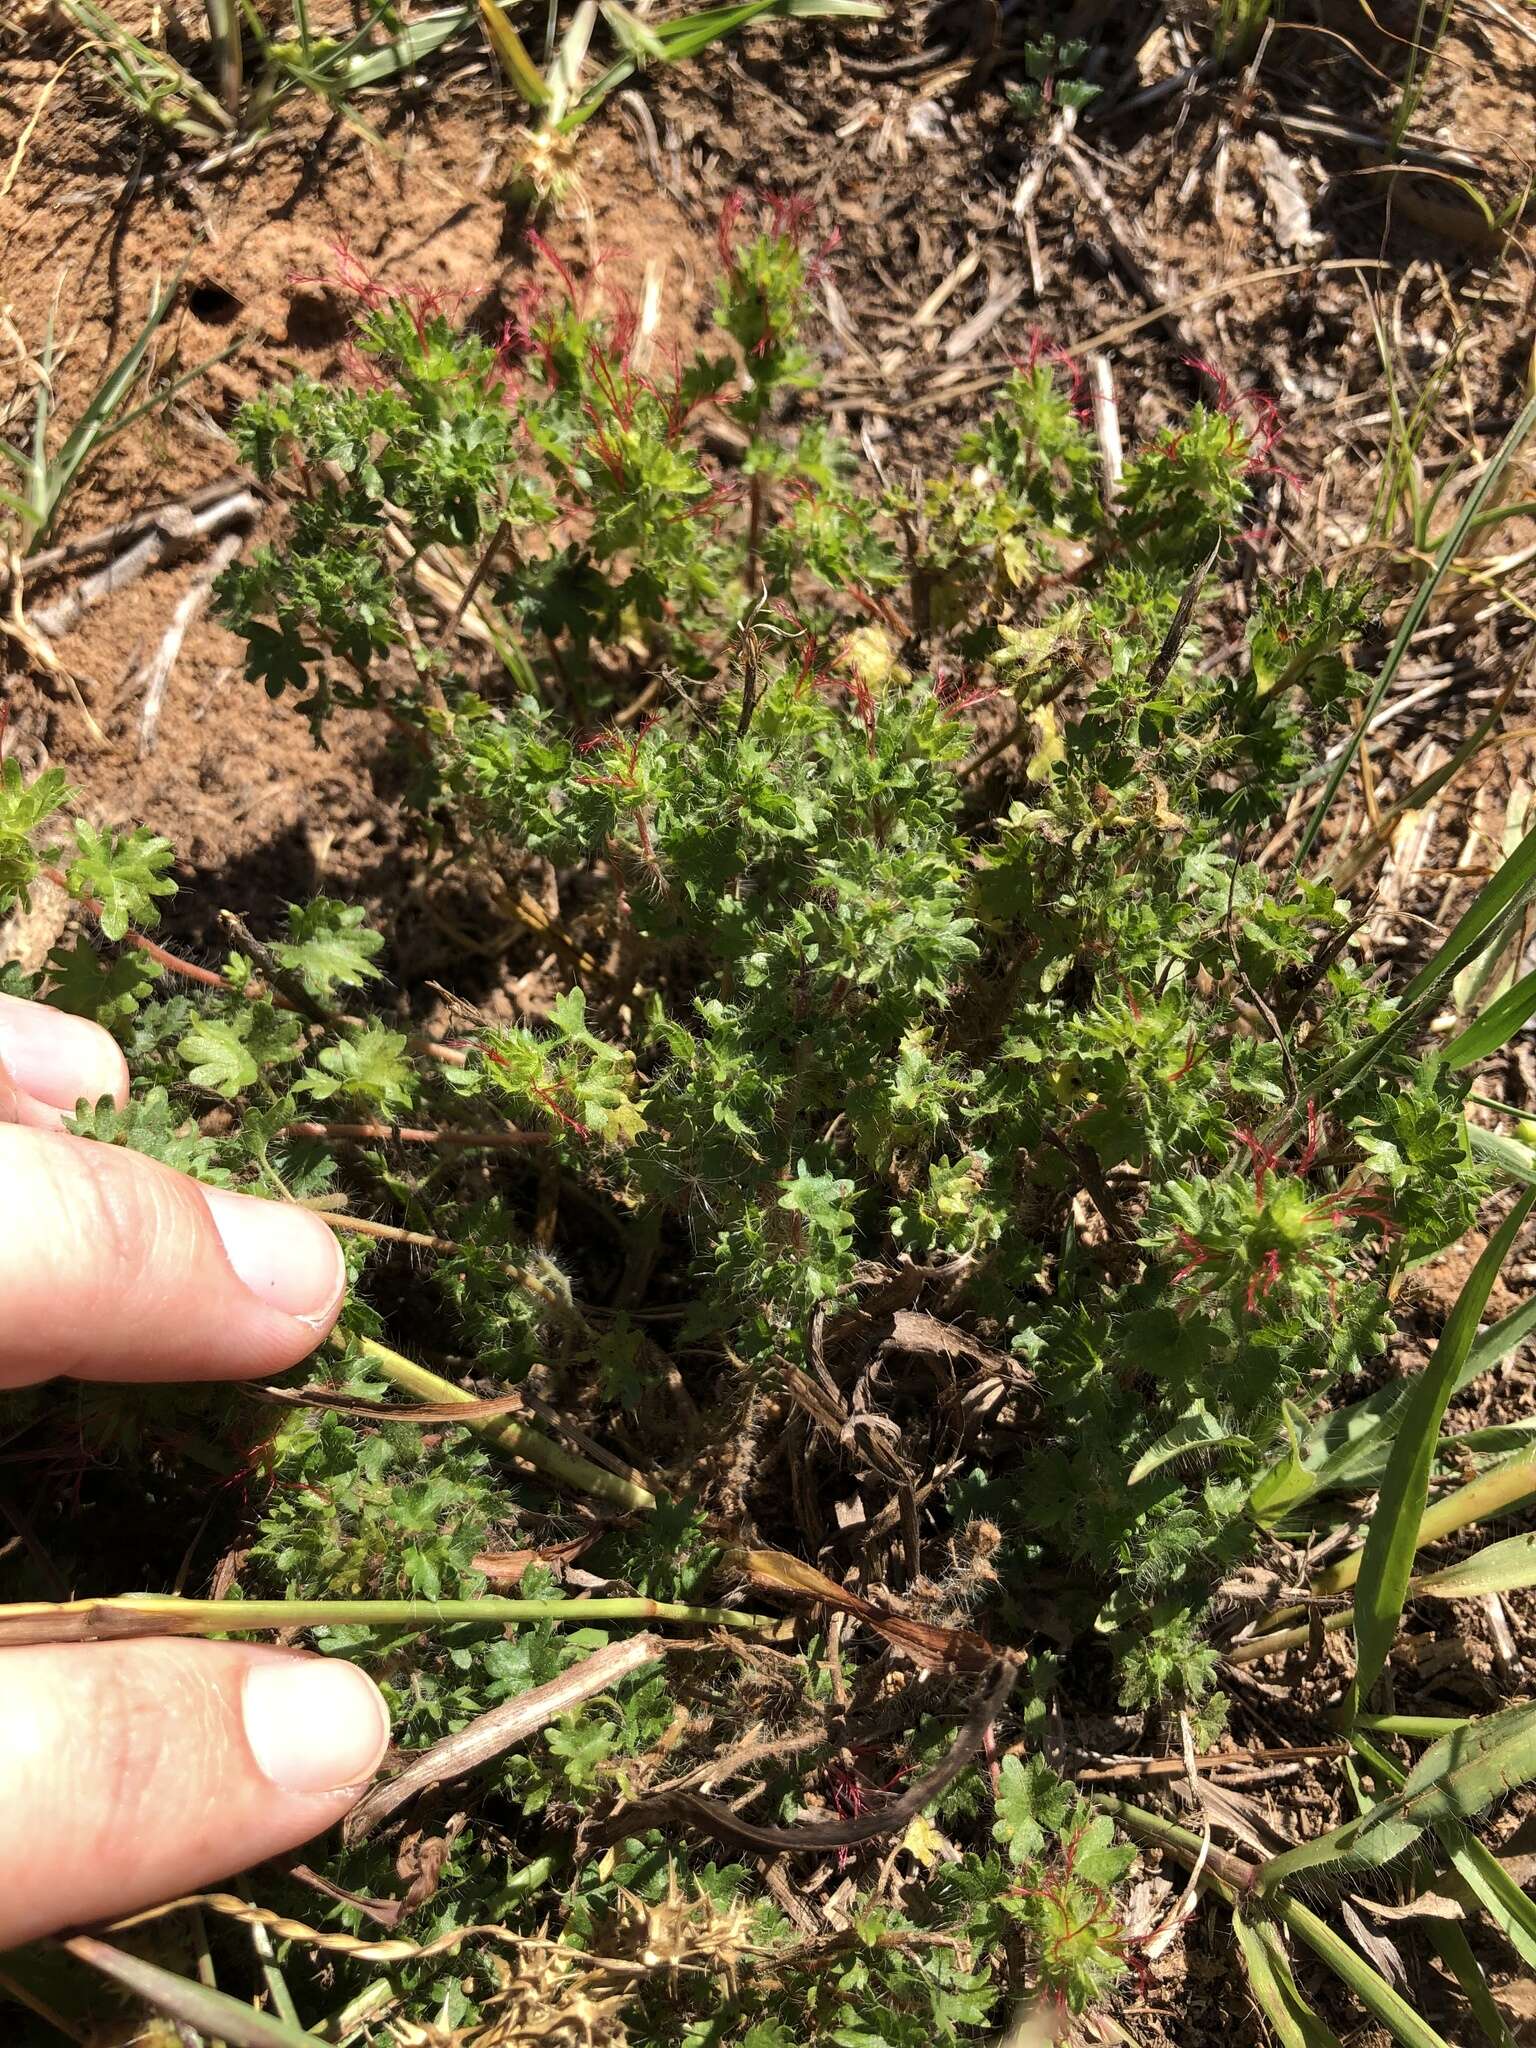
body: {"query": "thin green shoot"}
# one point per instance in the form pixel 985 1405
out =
pixel 1420 61
pixel 45 480
pixel 1412 619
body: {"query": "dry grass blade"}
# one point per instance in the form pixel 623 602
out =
pixel 1412 619
pixel 936 1648
pixel 154 1614
pixel 490 1735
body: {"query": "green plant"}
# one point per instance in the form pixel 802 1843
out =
pixel 1236 31
pixel 256 72
pixel 45 474
pixel 911 1046
pixel 1048 84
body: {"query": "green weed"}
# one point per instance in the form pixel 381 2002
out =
pixel 926 1106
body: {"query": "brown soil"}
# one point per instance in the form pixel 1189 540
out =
pixel 1249 222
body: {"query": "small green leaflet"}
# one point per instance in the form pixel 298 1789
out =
pixel 1030 1800
pixel 328 946
pixel 217 1054
pixel 370 1066
pixel 123 876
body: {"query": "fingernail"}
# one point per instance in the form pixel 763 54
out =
pixel 56 1058
pixel 285 1256
pixel 314 1724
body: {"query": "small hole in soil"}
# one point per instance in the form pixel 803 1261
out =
pixel 318 318
pixel 213 305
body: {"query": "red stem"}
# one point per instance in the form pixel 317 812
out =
pixel 450 1055
pixel 402 1134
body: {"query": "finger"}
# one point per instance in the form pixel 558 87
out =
pixel 133 1772
pixel 50 1061
pixel 112 1267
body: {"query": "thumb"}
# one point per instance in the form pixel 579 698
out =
pixel 132 1772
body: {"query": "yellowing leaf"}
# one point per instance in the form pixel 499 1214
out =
pixel 1050 747
pixel 512 55
pixel 923 1841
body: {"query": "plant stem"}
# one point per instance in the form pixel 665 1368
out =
pixel 403 1134
pixel 173 963
pixel 395 1233
pixel 1414 1727
pixel 137 1614
pixel 1227 1875
pixel 515 1438
pixel 1287 1638
pixel 1487 1495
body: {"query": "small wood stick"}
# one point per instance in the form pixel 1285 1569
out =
pixel 1506 1654
pixel 173 532
pixel 193 599
pixel 1106 424
pixel 490 1735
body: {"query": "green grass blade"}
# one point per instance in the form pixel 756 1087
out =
pixel 1496 1026
pixel 1414 1727
pixel 1491 914
pixel 505 1434
pixel 403 52
pixel 1420 793
pixel 1478 1868
pixel 1371 1842
pixel 96 424
pixel 1387 1561
pixel 1515 1161
pixel 1459 1775
pixel 512 55
pixel 564 74
pixel 1504 893
pixel 1491 1493
pixel 134 63
pixel 1498 1440
pixel 1198 1431
pixel 213 2015
pixel 1456 1953
pixel 1368 1985
pixel 1412 619
pixel 1507 1905
pixel 1285 1481
pixel 633 36
pixel 1274 1988
pixel 1507 1567
pixel 689 35
pixel 160 396
pixel 1347 1452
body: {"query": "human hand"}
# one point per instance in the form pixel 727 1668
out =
pixel 131 1772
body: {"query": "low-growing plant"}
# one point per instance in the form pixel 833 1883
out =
pixel 933 1135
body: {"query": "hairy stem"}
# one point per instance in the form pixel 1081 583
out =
pixel 515 1438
